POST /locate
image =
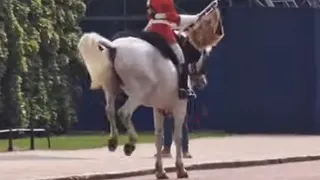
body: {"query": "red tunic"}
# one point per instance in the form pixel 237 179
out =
pixel 167 8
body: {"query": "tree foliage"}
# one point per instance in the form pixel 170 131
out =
pixel 3 57
pixel 38 54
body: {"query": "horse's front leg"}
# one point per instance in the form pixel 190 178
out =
pixel 158 126
pixel 125 114
pixel 111 115
pixel 179 114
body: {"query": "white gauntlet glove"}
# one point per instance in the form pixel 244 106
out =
pixel 187 20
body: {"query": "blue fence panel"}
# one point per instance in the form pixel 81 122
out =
pixel 317 63
pixel 268 69
pixel 105 8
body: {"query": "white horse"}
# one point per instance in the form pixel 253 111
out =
pixel 148 78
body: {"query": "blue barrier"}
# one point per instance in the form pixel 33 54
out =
pixel 317 63
pixel 268 71
pixel 264 77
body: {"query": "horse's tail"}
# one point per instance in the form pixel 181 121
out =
pixel 98 54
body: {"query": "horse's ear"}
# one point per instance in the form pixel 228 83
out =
pixel 105 45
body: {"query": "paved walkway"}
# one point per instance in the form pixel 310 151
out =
pixel 45 164
pixel 293 171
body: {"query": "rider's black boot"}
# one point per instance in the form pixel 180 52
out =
pixel 184 91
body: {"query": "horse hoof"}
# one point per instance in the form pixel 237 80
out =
pixel 128 149
pixel 112 144
pixel 183 174
pixel 162 176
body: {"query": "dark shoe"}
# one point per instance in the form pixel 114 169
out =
pixel 187 155
pixel 183 94
pixel 165 153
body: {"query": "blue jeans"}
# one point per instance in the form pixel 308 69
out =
pixel 168 130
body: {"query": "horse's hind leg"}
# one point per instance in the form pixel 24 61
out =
pixel 179 114
pixel 158 126
pixel 125 114
pixel 111 112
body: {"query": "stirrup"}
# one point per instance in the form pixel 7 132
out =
pixel 192 93
pixel 186 93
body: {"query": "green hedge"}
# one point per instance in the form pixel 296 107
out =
pixel 38 54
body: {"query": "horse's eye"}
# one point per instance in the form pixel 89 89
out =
pixel 100 48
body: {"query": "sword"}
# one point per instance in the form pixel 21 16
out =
pixel 209 8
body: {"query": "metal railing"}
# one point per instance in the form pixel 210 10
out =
pixel 114 18
pixel 32 136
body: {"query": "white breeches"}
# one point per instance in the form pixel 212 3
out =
pixel 179 53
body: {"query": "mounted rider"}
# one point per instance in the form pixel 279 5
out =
pixel 163 19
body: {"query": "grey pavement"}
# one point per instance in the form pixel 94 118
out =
pixel 49 164
pixel 292 171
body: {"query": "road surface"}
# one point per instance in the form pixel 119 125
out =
pixel 292 171
pixel 41 164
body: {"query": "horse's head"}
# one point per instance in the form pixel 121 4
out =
pixel 196 61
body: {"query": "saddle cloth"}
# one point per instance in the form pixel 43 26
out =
pixel 190 53
pixel 154 39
